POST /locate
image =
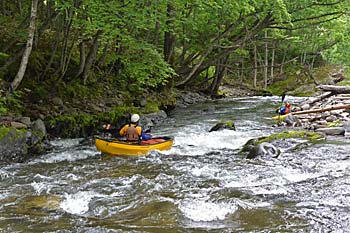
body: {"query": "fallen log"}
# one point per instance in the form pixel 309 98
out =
pixel 337 107
pixel 321 97
pixel 335 89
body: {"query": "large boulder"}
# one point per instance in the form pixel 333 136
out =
pixel 18 143
pixel 13 144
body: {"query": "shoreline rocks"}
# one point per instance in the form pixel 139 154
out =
pixel 330 115
pixel 21 139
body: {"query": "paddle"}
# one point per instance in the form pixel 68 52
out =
pixel 279 113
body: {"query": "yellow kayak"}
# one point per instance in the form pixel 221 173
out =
pixel 279 117
pixel 119 147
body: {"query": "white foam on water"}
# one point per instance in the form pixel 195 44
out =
pixel 245 180
pixel 295 176
pixel 4 174
pixel 312 204
pixel 196 140
pixel 78 203
pixel 66 143
pixel 270 190
pixel 41 187
pixel 206 170
pixel 252 205
pixel 71 156
pixel 200 210
pixel 72 176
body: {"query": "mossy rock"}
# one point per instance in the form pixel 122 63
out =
pixel 255 147
pixel 18 145
pixel 310 136
pixel 13 144
pixel 223 125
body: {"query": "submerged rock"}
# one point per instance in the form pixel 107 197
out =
pixel 39 204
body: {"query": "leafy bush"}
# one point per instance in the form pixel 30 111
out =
pixel 12 102
pixel 145 67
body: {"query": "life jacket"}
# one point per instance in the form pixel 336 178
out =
pixel 131 134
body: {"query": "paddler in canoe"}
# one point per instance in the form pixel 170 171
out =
pixel 134 140
pixel 134 133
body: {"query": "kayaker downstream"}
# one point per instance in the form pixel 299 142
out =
pixel 133 131
pixel 284 109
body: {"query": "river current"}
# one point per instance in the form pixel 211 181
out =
pixel 202 184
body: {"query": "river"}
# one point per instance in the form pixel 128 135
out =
pixel 201 185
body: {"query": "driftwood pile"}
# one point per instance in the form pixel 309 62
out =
pixel 328 113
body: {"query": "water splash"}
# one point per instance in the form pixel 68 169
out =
pixel 78 203
pixel 201 210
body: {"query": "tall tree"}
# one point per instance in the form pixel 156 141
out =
pixel 23 66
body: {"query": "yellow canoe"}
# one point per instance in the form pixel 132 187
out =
pixel 119 147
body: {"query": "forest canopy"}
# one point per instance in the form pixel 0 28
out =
pixel 137 45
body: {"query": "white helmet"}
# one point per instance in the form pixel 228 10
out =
pixel 135 118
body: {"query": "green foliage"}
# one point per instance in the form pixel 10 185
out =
pixel 3 108
pixel 4 131
pixel 77 124
pixel 11 103
pixel 151 107
pixel 39 93
pixel 145 67
pixel 3 56
pixel 335 123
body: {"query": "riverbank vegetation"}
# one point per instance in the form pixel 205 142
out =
pixel 61 59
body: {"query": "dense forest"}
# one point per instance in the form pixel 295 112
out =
pixel 81 50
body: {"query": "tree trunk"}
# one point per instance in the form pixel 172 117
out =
pixel 23 66
pixel 156 33
pixel 52 57
pixel 91 57
pixel 255 65
pixel 242 69
pixel 266 60
pixel 67 24
pixel 102 58
pixel 19 2
pixel 169 38
pixel 3 6
pixel 283 60
pixel 272 60
pixel 82 58
pixel 220 72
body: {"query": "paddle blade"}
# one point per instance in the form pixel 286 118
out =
pixel 283 97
